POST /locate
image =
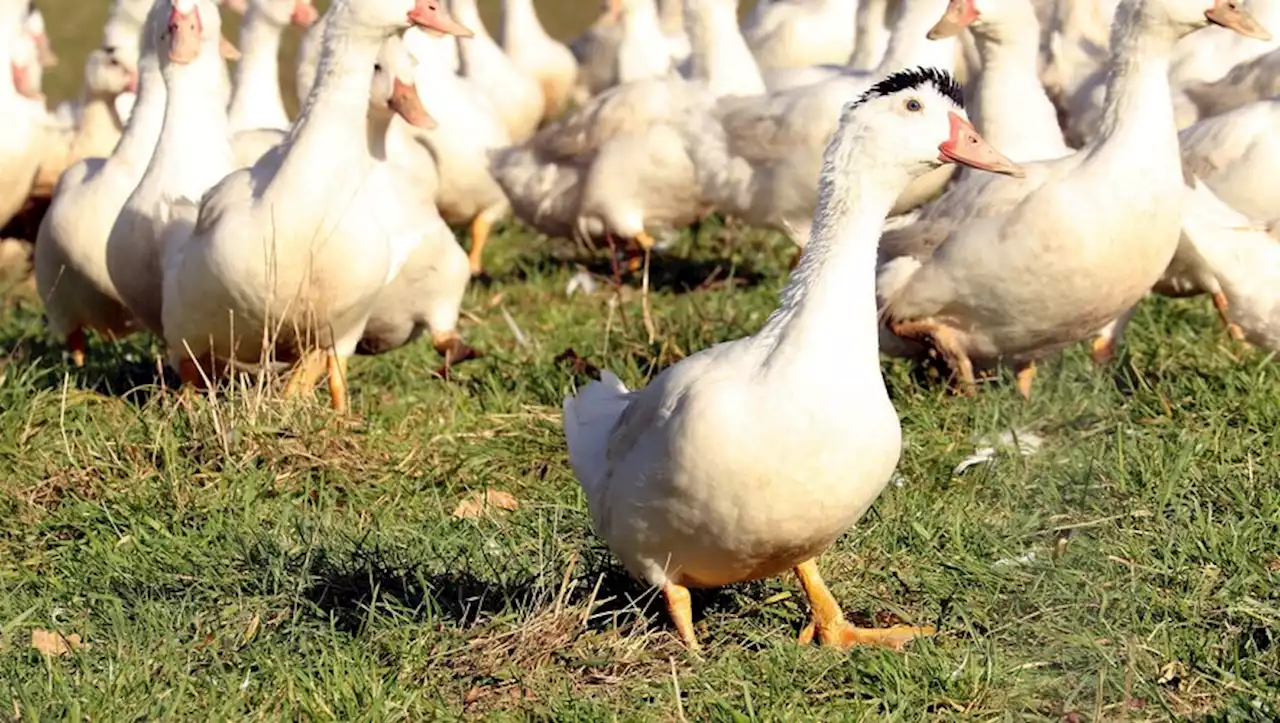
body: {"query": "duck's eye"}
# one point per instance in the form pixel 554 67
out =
pixel 377 67
pixel 914 106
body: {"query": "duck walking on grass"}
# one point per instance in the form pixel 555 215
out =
pixel 751 457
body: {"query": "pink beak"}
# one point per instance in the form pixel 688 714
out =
pixel 968 148
pixel 304 14
pixel 429 15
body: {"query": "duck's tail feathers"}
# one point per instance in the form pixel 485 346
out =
pixel 545 195
pixel 589 421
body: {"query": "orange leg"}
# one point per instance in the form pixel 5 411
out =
pixel 680 606
pixel 337 381
pixel 189 373
pixel 305 375
pixel 1102 349
pixel 831 627
pixel 480 228
pixel 76 345
pixel 1026 375
pixel 1220 303
pixel 943 340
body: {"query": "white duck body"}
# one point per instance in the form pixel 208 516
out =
pixel 619 164
pixel 192 154
pixel 1009 105
pixel 468 128
pixel 1056 275
pixel 516 95
pixel 743 460
pixel 1078 44
pixel 872 32
pixel 801 33
pixel 256 101
pixel 761 164
pixel 535 52
pixel 25 120
pixel 286 253
pixel 1237 154
pixel 71 247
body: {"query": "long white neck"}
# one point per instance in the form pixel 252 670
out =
pixel 642 53
pixel 1137 116
pixel 256 101
pixel 828 308
pixel 195 120
pixel 870 35
pixel 720 54
pixel 519 23
pixel 379 121
pixel 147 117
pixel 334 123
pixel 467 13
pixel 1011 108
pixel 908 46
pixel 671 16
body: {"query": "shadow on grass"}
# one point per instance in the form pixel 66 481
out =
pixel 125 369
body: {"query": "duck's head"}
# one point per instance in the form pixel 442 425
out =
pixel 301 13
pixel 105 74
pixel 959 15
pixel 394 89
pixel 393 16
pixel 1185 16
pixel 915 119
pixel 192 27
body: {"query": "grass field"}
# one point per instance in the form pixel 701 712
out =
pixel 247 558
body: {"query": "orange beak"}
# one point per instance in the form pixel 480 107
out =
pixel 1229 14
pixel 960 14
pixel 968 148
pixel 406 102
pixel 228 50
pixel 304 14
pixel 429 15
pixel 22 81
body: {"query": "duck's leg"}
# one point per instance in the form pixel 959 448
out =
pixel 1220 303
pixel 943 340
pixel 647 243
pixel 76 345
pixel 305 375
pixel 480 227
pixel 831 627
pixel 680 606
pixel 337 380
pixel 1103 347
pixel 1026 375
pixel 190 374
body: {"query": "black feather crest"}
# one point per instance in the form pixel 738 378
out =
pixel 941 80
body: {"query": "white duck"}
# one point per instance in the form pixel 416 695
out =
pixel 1237 154
pixel 516 95
pixel 192 154
pixel 256 100
pixel 97 130
pixel 309 58
pixel 427 293
pixel 536 53
pixel 618 166
pixel 744 460
pixel 468 128
pixel 286 261
pixel 1009 105
pixel 671 20
pixel 871 34
pixel 800 33
pixel 1059 275
pixel 71 247
pixel 762 162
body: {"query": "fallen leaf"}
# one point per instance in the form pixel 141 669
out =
pixel 54 643
pixel 476 504
pixel 253 628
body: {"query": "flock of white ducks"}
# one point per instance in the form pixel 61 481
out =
pixel 1126 148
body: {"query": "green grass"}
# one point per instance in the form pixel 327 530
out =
pixel 244 557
